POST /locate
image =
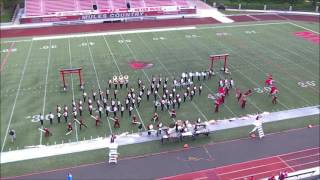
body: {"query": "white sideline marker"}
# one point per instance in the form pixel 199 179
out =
pixel 112 33
pixel 17 94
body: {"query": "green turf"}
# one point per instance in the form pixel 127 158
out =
pixel 64 161
pixel 254 52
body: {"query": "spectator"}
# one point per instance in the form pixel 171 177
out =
pixel 12 134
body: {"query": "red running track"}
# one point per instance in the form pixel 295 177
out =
pixel 260 168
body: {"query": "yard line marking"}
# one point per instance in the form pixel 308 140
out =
pixel 294 24
pixel 142 71
pixel 279 82
pixel 114 60
pixel 5 59
pixel 94 67
pixel 17 94
pixel 205 84
pixel 173 77
pixel 253 82
pixel 160 64
pixel 70 58
pixel 112 55
pixel 283 57
pixel 45 88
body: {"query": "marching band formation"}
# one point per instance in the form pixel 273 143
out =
pixel 165 97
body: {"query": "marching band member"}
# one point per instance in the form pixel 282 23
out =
pixel 94 95
pixel 47 133
pixel 107 93
pixel 84 96
pixel 116 122
pixel 173 113
pixel 51 117
pixel 58 108
pixel 231 83
pixel 90 109
pixel 97 120
pixel 69 127
pixel 155 117
pixel 134 120
pixel 58 116
pixel 65 115
pixel 150 129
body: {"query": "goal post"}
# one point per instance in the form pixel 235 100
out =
pixel 218 57
pixel 77 71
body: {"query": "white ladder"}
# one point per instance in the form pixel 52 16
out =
pixel 260 131
pixel 113 153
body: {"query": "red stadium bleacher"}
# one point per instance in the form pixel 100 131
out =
pixel 49 7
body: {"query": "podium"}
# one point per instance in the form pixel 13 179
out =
pixel 113 153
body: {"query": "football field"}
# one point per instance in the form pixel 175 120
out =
pixel 30 80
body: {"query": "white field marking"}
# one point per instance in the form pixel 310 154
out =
pixel 17 94
pixel 305 100
pixel 134 56
pixel 250 78
pixel 113 33
pixel 145 31
pixel 294 63
pixel 70 58
pixel 194 105
pixel 33 152
pixel 24 40
pixel 115 62
pixel 94 67
pixel 254 104
pixel 297 54
pixel 294 24
pixel 45 88
pixel 160 64
pixel 205 84
pixel 112 55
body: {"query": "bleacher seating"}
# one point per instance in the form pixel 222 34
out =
pixel 48 7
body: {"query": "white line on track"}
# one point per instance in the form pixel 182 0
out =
pixel 17 94
pixel 294 24
pixel 45 88
pixel 71 77
pixel 94 67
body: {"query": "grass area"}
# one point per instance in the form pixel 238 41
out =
pixel 7 15
pixel 75 159
pixel 30 82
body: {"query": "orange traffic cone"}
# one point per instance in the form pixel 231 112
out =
pixel 185 146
